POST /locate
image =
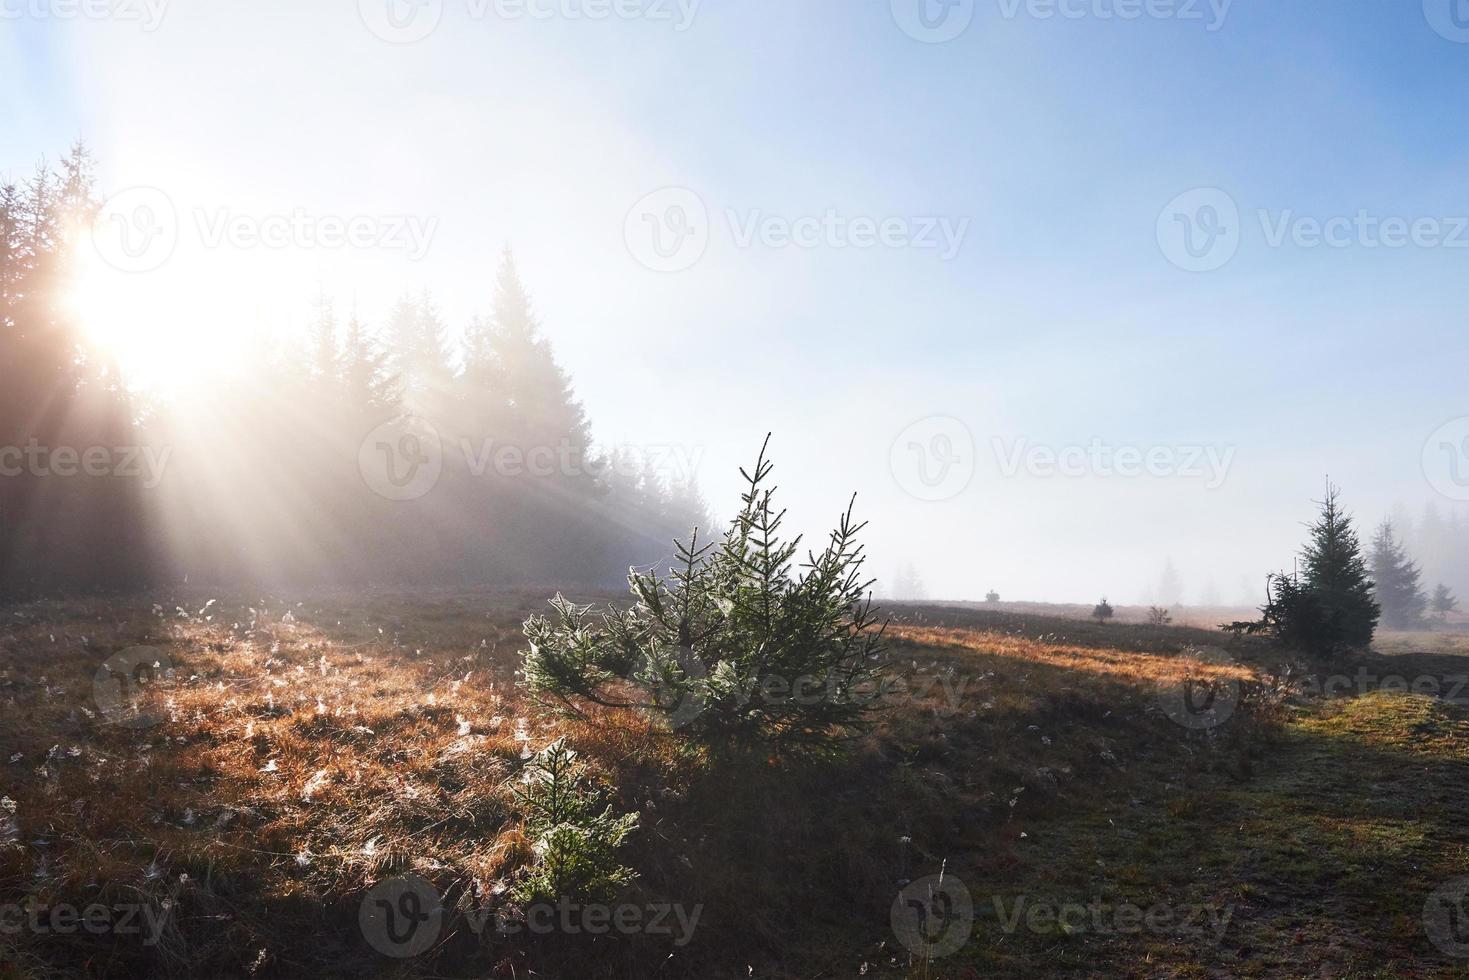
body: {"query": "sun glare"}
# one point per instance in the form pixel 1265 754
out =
pixel 152 328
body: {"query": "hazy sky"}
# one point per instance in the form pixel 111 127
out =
pixel 1042 235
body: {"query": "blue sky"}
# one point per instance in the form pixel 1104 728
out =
pixel 1061 320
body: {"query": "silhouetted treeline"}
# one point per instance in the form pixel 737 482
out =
pixel 59 530
pixel 1438 539
pixel 344 455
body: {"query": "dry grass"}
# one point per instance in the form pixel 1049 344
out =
pixel 307 751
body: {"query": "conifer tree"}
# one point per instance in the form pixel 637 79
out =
pixel 1396 577
pixel 1334 573
pixel 322 339
pixel 718 648
pixel 520 361
pixel 1444 602
pixel 419 352
pixel 369 389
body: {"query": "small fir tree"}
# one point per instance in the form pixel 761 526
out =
pixel 736 650
pixel 575 844
pixel 1444 602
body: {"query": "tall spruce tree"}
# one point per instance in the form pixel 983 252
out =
pixel 419 353
pixel 369 388
pixel 1397 578
pixel 534 385
pixel 323 349
pixel 1334 573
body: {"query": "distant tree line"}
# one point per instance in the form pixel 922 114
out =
pixel 268 476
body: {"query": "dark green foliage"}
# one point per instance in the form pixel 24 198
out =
pixel 735 650
pixel 1294 616
pixel 1396 578
pixel 1335 572
pixel 575 844
pixel 1329 608
pixel 1102 611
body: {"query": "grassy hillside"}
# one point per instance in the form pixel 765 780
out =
pixel 305 755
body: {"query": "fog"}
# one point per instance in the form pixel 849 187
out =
pixel 943 277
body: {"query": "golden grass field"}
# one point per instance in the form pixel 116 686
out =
pixel 304 751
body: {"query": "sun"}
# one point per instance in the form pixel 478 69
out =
pixel 154 327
